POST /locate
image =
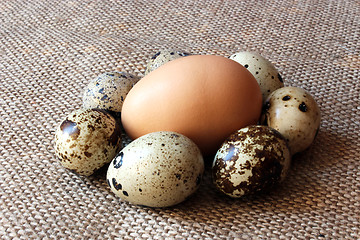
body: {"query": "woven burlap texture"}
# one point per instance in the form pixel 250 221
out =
pixel 50 50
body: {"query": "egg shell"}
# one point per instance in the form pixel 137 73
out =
pixel 108 91
pixel 252 159
pixel 159 169
pixel 86 140
pixel 205 98
pixel 295 114
pixel 262 69
pixel 162 57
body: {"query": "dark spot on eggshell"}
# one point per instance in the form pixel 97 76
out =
pixel 87 154
pixel 226 185
pixel 118 160
pixel 63 157
pixel 105 151
pixel 303 107
pixel 178 176
pixel 70 128
pixel 246 66
pixel 174 135
pixel 116 185
pixel 155 55
pixel 98 120
pixel 125 193
pixel 105 97
pixel 286 98
pixel 91 127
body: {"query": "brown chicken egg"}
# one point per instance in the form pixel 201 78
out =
pixel 204 97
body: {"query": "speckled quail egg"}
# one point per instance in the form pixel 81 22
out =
pixel 86 140
pixel 262 69
pixel 108 91
pixel 252 159
pixel 295 114
pixel 162 57
pixel 159 169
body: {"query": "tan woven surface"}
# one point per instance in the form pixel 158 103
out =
pixel 49 50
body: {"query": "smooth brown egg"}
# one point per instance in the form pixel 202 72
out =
pixel 204 97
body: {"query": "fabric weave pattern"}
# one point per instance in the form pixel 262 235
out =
pixel 49 50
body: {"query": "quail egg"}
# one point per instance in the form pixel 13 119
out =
pixel 108 91
pixel 295 114
pixel 252 159
pixel 159 169
pixel 86 140
pixel 262 69
pixel 162 57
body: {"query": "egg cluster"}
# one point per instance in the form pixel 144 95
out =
pixel 234 110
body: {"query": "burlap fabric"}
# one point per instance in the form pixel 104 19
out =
pixel 51 49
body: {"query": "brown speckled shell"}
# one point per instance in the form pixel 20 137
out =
pixel 86 140
pixel 108 91
pixel 295 114
pixel 162 57
pixel 252 159
pixel 263 70
pixel 159 169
